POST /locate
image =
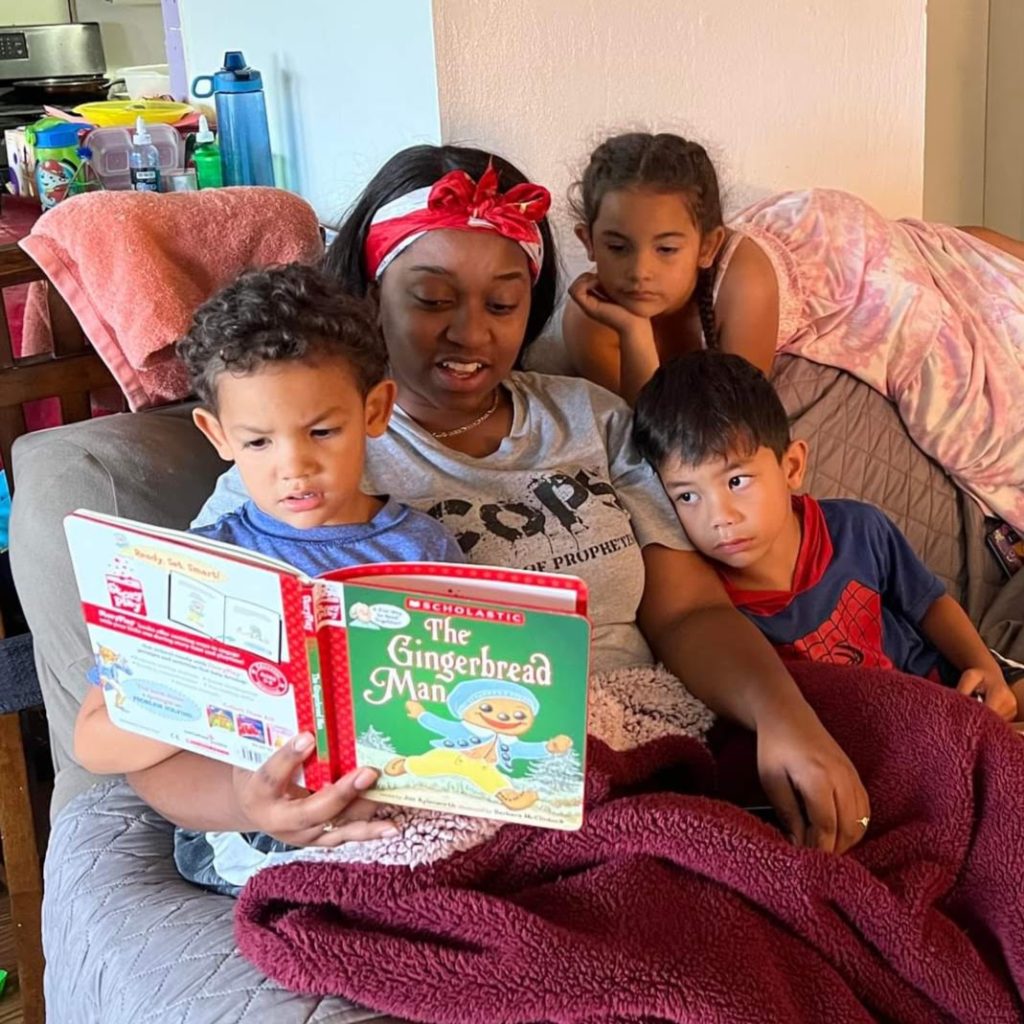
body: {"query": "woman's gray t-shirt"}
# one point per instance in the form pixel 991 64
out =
pixel 565 492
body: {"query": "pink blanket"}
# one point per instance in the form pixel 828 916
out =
pixel 682 908
pixel 134 266
pixel 928 315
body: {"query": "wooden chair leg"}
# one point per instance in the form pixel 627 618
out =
pixel 21 859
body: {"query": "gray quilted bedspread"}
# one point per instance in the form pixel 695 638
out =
pixel 859 449
pixel 160 951
pixel 129 942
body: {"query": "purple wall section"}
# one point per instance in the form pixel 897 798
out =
pixel 175 49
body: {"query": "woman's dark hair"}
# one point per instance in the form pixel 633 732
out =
pixel 662 163
pixel 706 405
pixel 292 313
pixel 419 167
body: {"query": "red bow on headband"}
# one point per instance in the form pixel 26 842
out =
pixel 513 214
pixel 457 201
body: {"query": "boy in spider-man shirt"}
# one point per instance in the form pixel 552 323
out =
pixel 830 581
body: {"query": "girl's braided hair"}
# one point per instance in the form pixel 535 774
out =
pixel 664 163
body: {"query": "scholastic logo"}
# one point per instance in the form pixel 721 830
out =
pixel 458 610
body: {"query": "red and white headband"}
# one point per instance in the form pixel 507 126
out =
pixel 457 202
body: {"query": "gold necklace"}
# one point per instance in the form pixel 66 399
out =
pixel 469 426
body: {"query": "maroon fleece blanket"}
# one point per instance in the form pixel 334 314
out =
pixel 673 907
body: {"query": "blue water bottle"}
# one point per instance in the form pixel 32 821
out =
pixel 241 121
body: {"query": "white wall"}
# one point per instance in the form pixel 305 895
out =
pixel 954 134
pixel 132 33
pixel 347 84
pixel 785 93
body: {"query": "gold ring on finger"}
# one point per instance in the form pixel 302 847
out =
pixel 863 822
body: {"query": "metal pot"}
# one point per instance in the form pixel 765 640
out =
pixel 62 90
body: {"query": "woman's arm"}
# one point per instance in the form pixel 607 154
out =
pixel 171 787
pixel 747 308
pixel 724 661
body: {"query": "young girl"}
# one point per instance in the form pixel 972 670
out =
pixel 930 315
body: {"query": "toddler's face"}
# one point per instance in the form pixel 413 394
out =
pixel 648 250
pixel 735 509
pixel 297 431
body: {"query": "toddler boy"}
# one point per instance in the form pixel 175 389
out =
pixel 291 373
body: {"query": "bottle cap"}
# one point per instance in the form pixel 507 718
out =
pixel 204 134
pixel 141 136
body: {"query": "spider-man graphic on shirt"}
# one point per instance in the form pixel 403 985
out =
pixel 859 594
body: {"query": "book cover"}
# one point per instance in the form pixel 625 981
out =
pixel 466 686
pixel 469 706
pixel 195 646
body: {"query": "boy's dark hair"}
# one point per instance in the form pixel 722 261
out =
pixel 661 163
pixel 419 167
pixel 282 314
pixel 706 405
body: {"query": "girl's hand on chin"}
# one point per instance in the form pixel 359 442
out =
pixel 587 293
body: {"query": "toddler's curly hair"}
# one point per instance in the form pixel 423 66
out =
pixel 281 314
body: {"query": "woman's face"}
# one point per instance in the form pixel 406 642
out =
pixel 454 308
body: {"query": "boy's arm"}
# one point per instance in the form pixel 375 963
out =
pixel 947 626
pixel 265 800
pixel 920 595
pixel 104 749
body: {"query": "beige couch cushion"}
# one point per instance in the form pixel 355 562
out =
pixel 153 466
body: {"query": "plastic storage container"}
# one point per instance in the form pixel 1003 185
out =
pixel 244 138
pixel 145 81
pixel 111 147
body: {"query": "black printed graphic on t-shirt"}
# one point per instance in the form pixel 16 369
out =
pixel 559 521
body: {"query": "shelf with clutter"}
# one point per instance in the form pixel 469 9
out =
pixel 147 144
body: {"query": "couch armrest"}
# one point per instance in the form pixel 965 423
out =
pixel 152 466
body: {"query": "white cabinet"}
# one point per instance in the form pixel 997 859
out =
pixel 34 12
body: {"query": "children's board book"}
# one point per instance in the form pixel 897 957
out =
pixel 466 686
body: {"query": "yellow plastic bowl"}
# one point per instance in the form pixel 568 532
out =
pixel 122 113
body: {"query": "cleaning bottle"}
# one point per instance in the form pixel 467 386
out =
pixel 241 121
pixel 206 157
pixel 144 160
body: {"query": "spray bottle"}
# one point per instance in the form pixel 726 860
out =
pixel 144 160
